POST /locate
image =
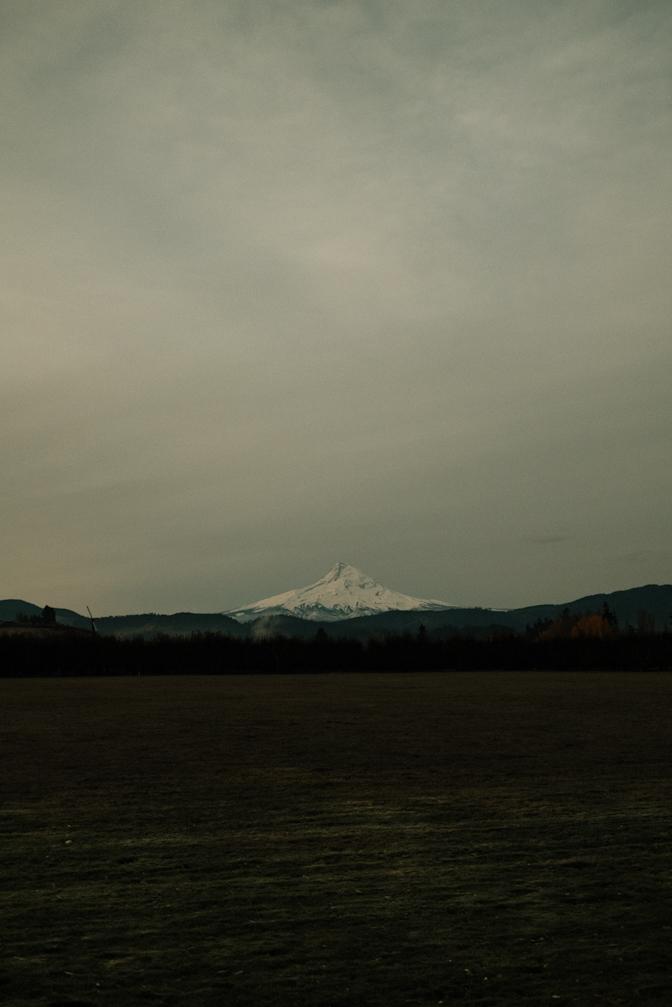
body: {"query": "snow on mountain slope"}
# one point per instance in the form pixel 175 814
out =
pixel 343 593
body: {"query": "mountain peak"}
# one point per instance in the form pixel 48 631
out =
pixel 337 570
pixel 344 592
pixel 343 571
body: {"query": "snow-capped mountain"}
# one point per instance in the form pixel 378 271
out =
pixel 343 593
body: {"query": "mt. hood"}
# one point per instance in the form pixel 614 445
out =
pixel 343 593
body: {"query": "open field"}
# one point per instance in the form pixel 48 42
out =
pixel 481 838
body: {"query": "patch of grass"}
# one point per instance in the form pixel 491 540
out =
pixel 338 840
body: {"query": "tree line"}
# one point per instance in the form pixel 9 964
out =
pixel 541 647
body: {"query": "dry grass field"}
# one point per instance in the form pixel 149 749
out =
pixel 472 838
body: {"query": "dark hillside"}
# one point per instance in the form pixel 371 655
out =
pixel 628 605
pixel 12 609
pixel 410 622
pixel 179 624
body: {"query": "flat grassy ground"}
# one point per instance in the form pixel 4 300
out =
pixel 485 838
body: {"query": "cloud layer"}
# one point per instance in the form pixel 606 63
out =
pixel 291 282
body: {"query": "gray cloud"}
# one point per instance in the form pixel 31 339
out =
pixel 284 283
pixel 546 539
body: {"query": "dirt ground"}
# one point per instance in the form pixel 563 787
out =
pixel 369 840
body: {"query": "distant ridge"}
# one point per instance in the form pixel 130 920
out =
pixel 15 608
pixel 627 605
pixel 148 624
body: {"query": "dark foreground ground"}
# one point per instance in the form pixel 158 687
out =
pixel 481 838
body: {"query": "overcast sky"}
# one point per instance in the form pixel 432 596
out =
pixel 291 281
